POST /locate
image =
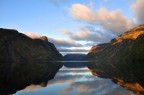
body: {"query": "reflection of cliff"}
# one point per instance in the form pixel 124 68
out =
pixel 24 61
pixel 122 59
pixel 74 60
pixel 78 82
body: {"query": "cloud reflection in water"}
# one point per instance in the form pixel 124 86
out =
pixel 77 81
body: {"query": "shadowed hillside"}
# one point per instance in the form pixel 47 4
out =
pixel 122 60
pixel 25 61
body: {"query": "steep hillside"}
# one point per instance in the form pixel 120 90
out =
pixel 25 61
pixel 122 59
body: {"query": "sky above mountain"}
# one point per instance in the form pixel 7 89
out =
pixel 72 25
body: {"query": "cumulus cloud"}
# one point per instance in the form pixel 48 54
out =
pixel 111 24
pixel 81 12
pixel 91 34
pixel 111 21
pixel 86 35
pixel 138 8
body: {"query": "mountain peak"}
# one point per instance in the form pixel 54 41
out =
pixel 8 31
pixel 138 28
pixel 132 34
pixel 121 60
pixel 44 38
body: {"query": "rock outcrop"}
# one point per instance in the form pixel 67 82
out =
pixel 25 61
pixel 122 60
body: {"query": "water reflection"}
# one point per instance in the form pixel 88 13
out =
pixel 76 81
pixel 75 64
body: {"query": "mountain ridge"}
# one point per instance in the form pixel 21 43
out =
pixel 122 59
pixel 25 61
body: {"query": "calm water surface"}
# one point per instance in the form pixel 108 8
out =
pixel 76 81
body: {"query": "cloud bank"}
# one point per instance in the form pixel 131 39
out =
pixel 102 25
pixel 111 21
pixel 60 44
pixel 138 8
pixel 91 34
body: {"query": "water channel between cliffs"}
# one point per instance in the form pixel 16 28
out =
pixel 76 81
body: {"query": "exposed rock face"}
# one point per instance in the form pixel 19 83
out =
pixel 44 38
pixel 25 61
pixel 122 60
pixel 74 57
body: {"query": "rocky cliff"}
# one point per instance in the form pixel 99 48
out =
pixel 122 60
pixel 25 61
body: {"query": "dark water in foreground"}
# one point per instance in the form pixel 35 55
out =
pixel 76 81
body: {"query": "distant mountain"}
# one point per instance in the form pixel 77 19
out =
pixel 74 58
pixel 25 61
pixel 122 60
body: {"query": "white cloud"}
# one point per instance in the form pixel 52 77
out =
pixel 86 36
pixel 82 34
pixel 57 42
pixel 81 12
pixel 112 21
pixel 138 8
pixel 90 34
pixel 33 35
pixel 65 31
pixel 61 43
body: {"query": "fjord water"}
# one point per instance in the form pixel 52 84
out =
pixel 76 81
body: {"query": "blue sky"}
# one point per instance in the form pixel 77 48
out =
pixel 72 24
